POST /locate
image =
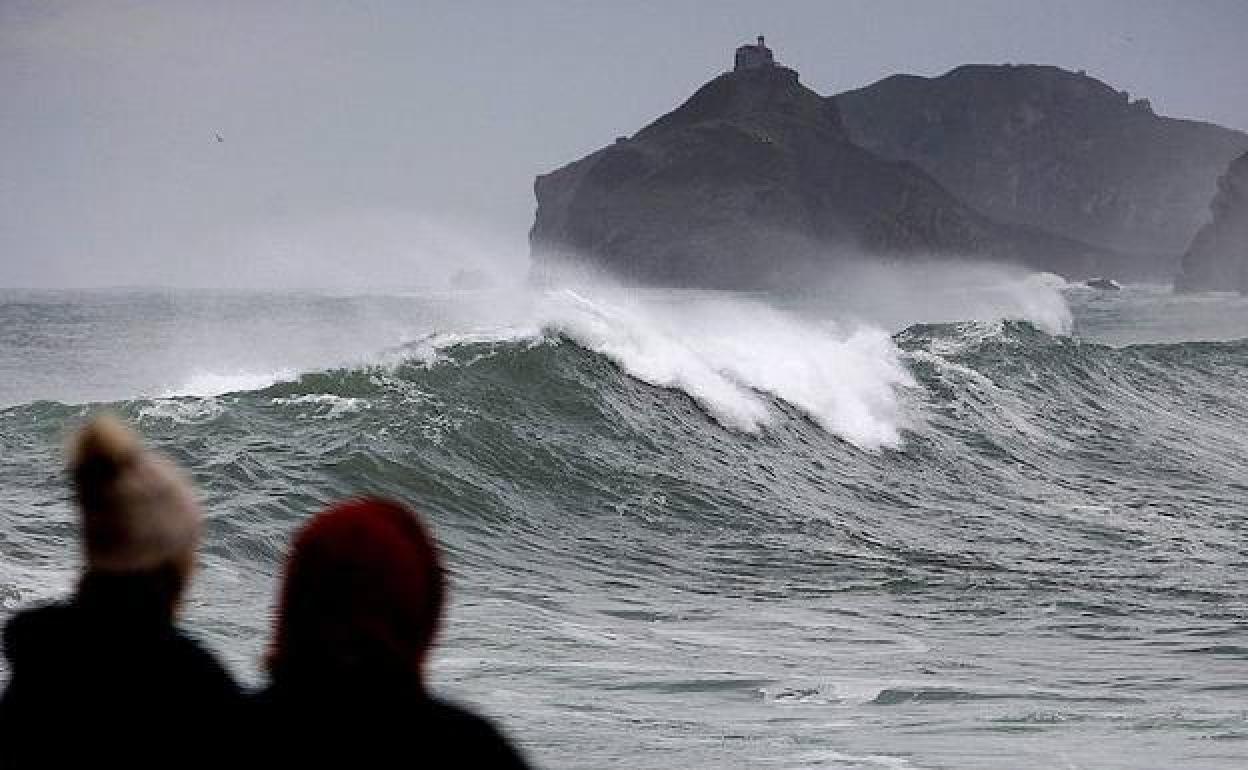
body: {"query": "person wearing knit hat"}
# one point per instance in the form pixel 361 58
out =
pixel 138 510
pixel 360 603
pixel 106 676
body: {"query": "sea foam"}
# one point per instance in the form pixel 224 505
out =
pixel 729 353
pixel 205 384
pixel 738 356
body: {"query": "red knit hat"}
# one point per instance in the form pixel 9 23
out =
pixel 363 592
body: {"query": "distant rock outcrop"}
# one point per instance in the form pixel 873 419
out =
pixel 1218 257
pixel 751 183
pixel 1052 149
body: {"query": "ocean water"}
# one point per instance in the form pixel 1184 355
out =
pixel 985 522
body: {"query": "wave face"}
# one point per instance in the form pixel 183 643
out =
pixel 720 533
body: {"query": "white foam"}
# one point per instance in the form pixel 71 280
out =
pixel 873 760
pixel 325 405
pixel 207 383
pixel 833 758
pixel 182 410
pixel 1038 299
pixel 735 355
pixel 953 373
pixel 727 351
pixel 430 349
pixel 1053 281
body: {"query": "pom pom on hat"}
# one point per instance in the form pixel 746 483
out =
pixel 138 509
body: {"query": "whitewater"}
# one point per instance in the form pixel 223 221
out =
pixel 949 517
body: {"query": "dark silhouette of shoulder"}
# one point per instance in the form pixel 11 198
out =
pixel 76 671
pixel 491 748
pixel 327 726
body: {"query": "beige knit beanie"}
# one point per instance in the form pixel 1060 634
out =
pixel 138 509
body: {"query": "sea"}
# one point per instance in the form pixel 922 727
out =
pixel 952 518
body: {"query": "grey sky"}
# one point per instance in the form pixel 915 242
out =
pixel 383 143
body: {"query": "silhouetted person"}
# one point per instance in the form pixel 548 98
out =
pixel 361 602
pixel 104 678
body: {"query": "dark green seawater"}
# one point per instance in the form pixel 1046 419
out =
pixel 707 530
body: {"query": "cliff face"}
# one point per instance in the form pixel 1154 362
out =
pixel 1051 149
pixel 1218 257
pixel 752 183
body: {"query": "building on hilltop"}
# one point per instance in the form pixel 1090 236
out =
pixel 752 57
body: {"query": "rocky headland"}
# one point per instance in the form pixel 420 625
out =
pixel 756 181
pixel 1218 257
pixel 1052 149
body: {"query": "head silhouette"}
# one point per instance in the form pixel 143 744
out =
pixel 140 520
pixel 138 509
pixel 362 594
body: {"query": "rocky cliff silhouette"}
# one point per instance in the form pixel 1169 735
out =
pixel 754 182
pixel 1218 257
pixel 1052 149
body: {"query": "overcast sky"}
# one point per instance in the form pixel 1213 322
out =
pixel 384 143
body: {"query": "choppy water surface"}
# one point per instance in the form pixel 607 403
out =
pixel 713 530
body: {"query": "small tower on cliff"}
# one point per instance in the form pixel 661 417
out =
pixel 752 57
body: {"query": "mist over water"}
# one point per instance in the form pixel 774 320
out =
pixel 940 291
pixel 831 357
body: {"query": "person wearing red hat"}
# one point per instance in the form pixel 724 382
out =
pixel 106 678
pixel 359 606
